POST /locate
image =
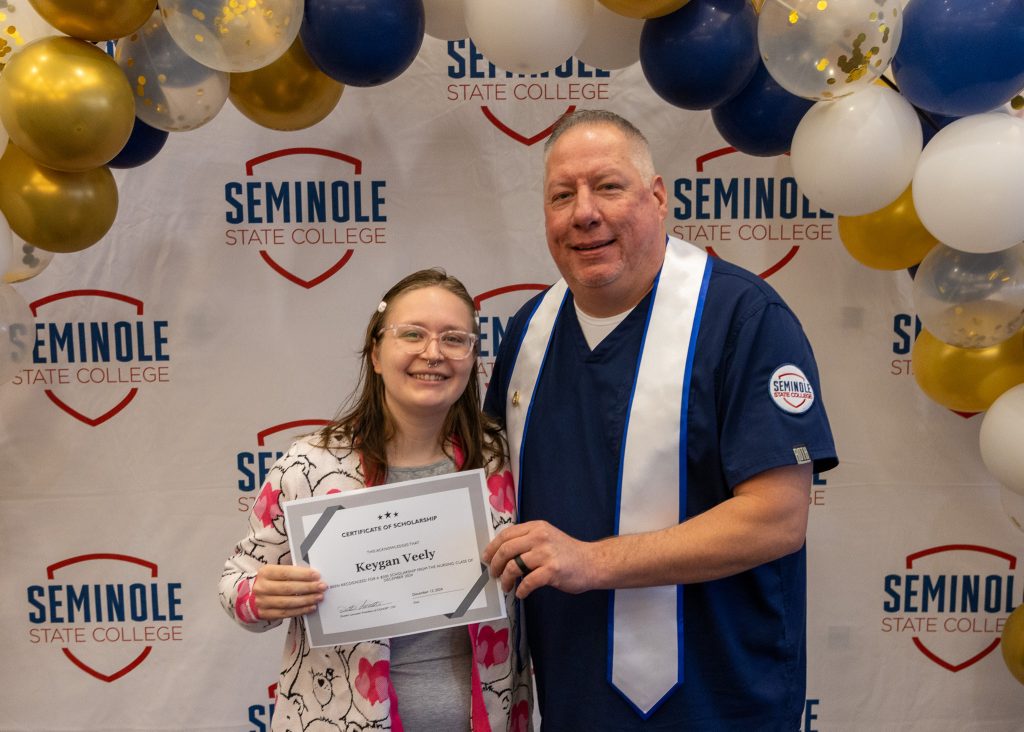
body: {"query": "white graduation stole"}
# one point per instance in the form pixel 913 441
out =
pixel 645 665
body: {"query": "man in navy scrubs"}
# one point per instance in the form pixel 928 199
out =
pixel 665 421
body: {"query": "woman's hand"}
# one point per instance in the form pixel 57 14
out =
pixel 286 591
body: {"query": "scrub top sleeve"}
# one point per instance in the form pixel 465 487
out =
pixel 770 405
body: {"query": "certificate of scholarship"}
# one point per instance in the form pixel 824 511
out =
pixel 397 559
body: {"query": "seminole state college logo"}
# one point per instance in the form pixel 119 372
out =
pixel 92 352
pixel 105 612
pixel 745 209
pixel 524 107
pixel 951 602
pixel 307 212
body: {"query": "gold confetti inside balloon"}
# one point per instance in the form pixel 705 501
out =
pixel 233 35
pixel 643 8
pixel 173 91
pixel 890 238
pixel 824 49
pixel 95 20
pixel 967 379
pixel 290 93
pixel 971 300
pixel 52 209
pixel 66 103
pixel 20 24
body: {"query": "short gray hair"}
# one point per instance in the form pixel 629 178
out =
pixel 642 158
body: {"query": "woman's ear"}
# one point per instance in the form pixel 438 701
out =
pixel 375 357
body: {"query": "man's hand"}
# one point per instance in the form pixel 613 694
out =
pixel 552 557
pixel 286 591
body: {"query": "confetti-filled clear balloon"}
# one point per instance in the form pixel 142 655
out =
pixel 26 261
pixel 233 36
pixel 173 91
pixel 20 24
pixel 824 49
pixel 971 300
pixel 17 333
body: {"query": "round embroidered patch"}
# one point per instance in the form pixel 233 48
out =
pixel 790 389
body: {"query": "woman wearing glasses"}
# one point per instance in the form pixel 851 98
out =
pixel 415 414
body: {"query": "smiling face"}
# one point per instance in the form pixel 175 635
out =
pixel 604 216
pixel 424 386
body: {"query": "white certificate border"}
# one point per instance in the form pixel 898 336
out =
pixel 472 481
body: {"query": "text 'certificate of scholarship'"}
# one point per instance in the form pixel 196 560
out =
pixel 397 559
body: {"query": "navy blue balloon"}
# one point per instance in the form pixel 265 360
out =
pixel 702 54
pixel 762 118
pixel 961 57
pixel 362 42
pixel 142 146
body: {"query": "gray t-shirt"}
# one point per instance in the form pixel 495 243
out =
pixel 431 671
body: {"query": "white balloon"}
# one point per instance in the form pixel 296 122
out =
pixel 445 19
pixel 857 154
pixel 1000 438
pixel 613 41
pixel 528 36
pixel 17 333
pixel 969 180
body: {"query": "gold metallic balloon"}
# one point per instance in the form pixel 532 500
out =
pixel 643 8
pixel 95 20
pixel 967 379
pixel 1012 643
pixel 52 209
pixel 290 93
pixel 66 103
pixel 890 238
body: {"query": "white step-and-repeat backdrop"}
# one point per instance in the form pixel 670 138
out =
pixel 176 359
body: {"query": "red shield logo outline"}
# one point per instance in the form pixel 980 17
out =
pixel 357 166
pixel 782 261
pixel 51 395
pixel 131 665
pixel 518 136
pixel 930 654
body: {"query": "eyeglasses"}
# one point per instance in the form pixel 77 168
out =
pixel 414 339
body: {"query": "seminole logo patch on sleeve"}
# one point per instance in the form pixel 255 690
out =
pixel 790 390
